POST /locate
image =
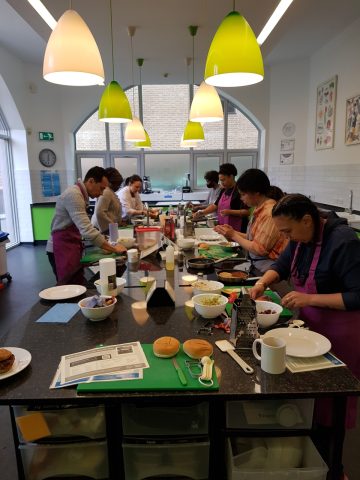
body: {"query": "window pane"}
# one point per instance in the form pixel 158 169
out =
pixel 241 132
pixel 204 164
pixel 242 162
pixel 88 162
pixel 167 171
pixel 91 135
pixel 127 166
pixel 115 136
pixel 6 217
pixel 166 110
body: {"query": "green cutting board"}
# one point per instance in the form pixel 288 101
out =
pixel 160 376
pixel 286 313
pixel 95 255
pixel 216 251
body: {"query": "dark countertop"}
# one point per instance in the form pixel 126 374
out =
pixel 47 342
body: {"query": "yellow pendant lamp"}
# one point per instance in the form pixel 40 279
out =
pixel 234 58
pixel 187 144
pixel 193 131
pixel 72 56
pixel 135 131
pixel 146 144
pixel 114 105
pixel 206 105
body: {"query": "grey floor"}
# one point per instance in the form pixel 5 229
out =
pixel 31 272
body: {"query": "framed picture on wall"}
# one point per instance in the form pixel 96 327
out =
pixel 325 114
pixel 352 121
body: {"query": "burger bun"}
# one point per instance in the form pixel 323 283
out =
pixel 166 347
pixel 197 348
pixel 7 360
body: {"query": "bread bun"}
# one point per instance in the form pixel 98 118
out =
pixel 166 347
pixel 197 348
pixel 7 360
pixel 204 246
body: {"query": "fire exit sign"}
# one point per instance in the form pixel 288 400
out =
pixel 47 136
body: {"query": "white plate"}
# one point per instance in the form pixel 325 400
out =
pixel 22 360
pixel 62 292
pixel 211 238
pixel 301 342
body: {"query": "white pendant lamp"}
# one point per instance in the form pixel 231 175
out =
pixel 134 131
pixel 72 56
pixel 206 105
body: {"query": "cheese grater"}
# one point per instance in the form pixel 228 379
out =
pixel 244 327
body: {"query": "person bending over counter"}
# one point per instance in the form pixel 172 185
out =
pixel 71 223
pixel 263 240
pixel 323 260
pixel 108 206
pixel 229 207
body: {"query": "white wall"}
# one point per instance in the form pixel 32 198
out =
pixel 326 175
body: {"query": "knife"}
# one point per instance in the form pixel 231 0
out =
pixel 180 373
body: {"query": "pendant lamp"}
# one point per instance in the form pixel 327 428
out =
pixel 134 131
pixel 187 144
pixel 146 143
pixel 114 105
pixel 72 56
pixel 234 58
pixel 193 131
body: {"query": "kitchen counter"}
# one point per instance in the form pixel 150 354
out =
pixel 48 341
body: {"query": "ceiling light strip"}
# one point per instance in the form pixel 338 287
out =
pixel 273 20
pixel 44 13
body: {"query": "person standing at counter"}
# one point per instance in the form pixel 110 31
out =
pixel 108 206
pixel 212 182
pixel 129 197
pixel 263 240
pixel 229 207
pixel 323 260
pixel 71 223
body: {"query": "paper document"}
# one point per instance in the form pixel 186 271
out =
pixel 297 364
pixel 102 361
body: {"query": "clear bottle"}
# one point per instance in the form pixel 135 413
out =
pixel 169 258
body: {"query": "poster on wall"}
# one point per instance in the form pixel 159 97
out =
pixel 50 183
pixel 325 114
pixel 286 158
pixel 352 121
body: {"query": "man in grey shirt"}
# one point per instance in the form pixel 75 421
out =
pixel 71 223
pixel 212 182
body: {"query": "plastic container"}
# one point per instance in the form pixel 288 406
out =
pixel 3 262
pixel 269 414
pixel 108 276
pixel 148 237
pixel 169 420
pixel 169 258
pixel 312 466
pixel 73 460
pixel 190 460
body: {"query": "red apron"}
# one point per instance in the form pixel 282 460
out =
pixel 341 327
pixel 68 249
pixel 224 204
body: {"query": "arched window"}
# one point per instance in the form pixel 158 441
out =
pixel 8 216
pixel 165 110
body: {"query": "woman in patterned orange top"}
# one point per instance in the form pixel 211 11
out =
pixel 263 240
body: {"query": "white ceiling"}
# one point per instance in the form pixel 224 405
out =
pixel 162 36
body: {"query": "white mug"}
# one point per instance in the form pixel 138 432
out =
pixel 272 354
pixel 133 255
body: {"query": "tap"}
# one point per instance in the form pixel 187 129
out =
pixel 350 209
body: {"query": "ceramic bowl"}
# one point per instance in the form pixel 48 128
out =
pixel 209 311
pixel 120 284
pixel 186 243
pixel 207 286
pixel 96 314
pixel 127 242
pixel 267 319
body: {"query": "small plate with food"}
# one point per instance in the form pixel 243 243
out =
pixel 12 361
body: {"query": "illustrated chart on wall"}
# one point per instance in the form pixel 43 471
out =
pixel 50 183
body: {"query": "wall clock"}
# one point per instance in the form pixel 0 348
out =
pixel 288 129
pixel 47 157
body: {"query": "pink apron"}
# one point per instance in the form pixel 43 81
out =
pixel 341 327
pixel 68 249
pixel 224 204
